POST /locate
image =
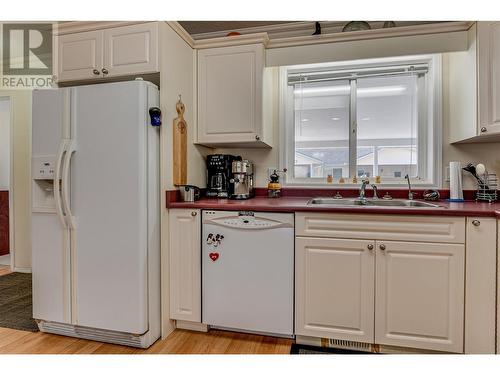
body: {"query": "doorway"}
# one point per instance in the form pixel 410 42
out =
pixel 6 253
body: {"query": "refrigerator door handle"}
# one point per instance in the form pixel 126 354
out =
pixel 57 183
pixel 65 184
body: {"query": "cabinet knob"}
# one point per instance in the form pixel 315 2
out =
pixel 483 129
pixel 370 246
pixel 96 72
pixel 382 247
pixel 194 213
pixel 476 223
pixel 257 138
pixel 104 71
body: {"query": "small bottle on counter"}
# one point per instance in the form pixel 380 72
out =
pixel 329 179
pixel 274 186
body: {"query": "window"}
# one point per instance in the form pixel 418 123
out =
pixel 364 118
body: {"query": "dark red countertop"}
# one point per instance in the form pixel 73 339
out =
pixel 299 204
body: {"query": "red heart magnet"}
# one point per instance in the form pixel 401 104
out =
pixel 214 256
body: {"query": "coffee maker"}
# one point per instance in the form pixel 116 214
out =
pixel 241 182
pixel 218 175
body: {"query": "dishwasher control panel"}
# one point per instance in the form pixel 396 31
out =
pixel 248 219
pixel 248 222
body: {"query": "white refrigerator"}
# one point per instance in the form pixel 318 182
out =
pixel 96 212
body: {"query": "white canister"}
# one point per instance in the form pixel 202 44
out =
pixel 456 192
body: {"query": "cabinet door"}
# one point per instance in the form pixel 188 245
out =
pixel 420 295
pixel 230 94
pixel 131 49
pixel 488 41
pixel 480 285
pixel 79 56
pixel 334 288
pixel 185 264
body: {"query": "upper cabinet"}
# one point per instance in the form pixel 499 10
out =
pixel 131 49
pixel 474 87
pixel 231 97
pixel 488 78
pixel 110 52
pixel 79 56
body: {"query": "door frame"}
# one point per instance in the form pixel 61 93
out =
pixel 10 99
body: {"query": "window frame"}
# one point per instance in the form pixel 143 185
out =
pixel 429 125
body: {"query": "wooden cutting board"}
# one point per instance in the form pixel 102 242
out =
pixel 180 145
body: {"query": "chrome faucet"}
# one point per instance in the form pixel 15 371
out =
pixel 375 190
pixel 362 190
pixel 410 193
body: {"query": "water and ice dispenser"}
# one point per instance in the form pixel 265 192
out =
pixel 43 170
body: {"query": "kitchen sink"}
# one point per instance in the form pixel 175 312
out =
pixel 372 202
pixel 337 201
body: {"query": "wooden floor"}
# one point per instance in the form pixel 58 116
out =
pixel 179 342
pixel 4 270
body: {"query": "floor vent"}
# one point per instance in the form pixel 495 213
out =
pixel 346 344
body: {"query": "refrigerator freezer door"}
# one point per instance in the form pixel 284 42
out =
pixel 50 237
pixel 109 204
pixel 48 121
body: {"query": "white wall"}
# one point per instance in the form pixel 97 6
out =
pixel 4 143
pixel 177 77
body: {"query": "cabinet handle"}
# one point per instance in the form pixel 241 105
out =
pixel 476 223
pixel 257 138
pixel 370 246
pixel 483 129
pixel 96 72
pixel 382 247
pixel 194 213
pixel 104 71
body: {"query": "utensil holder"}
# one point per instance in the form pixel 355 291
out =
pixel 487 189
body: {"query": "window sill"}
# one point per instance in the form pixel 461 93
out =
pixel 388 185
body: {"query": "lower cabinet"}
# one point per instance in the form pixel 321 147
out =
pixel 419 295
pixel 408 294
pixel 334 291
pixel 185 264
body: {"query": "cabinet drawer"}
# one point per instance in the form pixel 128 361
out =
pixel 381 227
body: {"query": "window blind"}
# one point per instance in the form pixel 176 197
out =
pixel 349 74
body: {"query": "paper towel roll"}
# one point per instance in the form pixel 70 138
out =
pixel 456 192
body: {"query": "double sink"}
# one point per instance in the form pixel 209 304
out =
pixel 403 203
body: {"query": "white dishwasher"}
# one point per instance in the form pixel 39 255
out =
pixel 248 271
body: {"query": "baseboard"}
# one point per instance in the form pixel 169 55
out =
pixel 167 328
pixel 22 269
pixel 192 326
